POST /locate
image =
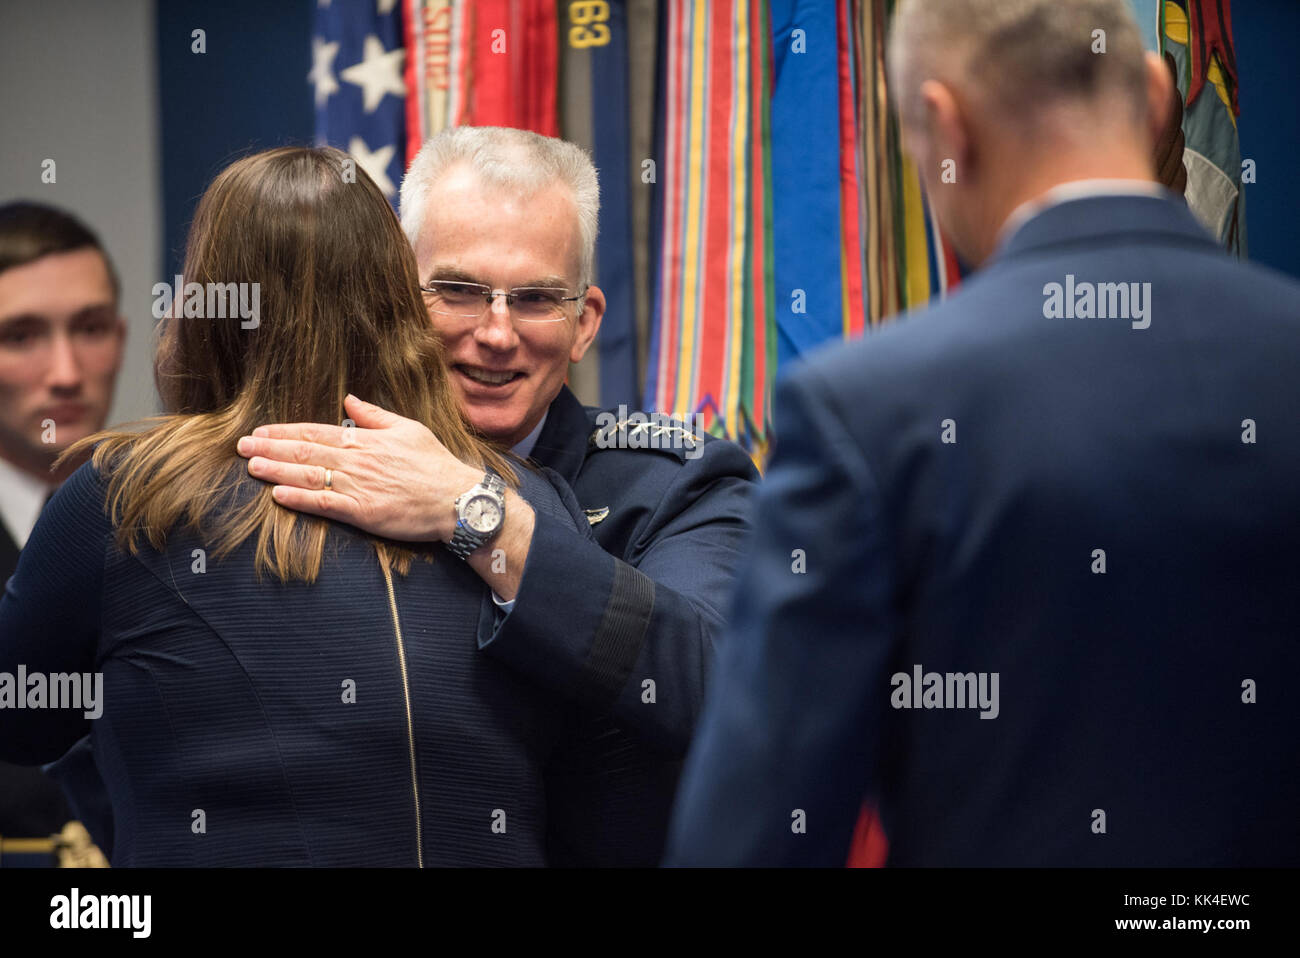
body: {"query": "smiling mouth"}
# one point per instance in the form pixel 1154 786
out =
pixel 487 377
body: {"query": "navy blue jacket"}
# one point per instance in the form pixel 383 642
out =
pixel 636 595
pixel 227 737
pixel 643 603
pixel 1145 713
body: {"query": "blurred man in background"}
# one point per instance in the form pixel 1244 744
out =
pixel 61 340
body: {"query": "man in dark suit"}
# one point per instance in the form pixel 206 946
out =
pixel 503 223
pixel 60 349
pixel 1025 564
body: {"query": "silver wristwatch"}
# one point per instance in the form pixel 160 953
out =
pixel 480 513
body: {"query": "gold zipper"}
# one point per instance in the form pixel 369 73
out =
pixel 410 724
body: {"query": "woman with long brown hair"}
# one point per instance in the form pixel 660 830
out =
pixel 278 689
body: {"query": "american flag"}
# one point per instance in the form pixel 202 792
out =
pixel 358 58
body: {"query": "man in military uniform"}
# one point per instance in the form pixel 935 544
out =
pixel 623 624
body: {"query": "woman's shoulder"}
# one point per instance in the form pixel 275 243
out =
pixel 84 490
pixel 74 524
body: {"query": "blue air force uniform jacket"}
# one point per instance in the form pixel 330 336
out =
pixel 624 624
pixel 1101 511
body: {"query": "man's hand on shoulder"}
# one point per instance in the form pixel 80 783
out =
pixel 388 475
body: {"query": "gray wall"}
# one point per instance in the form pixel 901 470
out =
pixel 78 85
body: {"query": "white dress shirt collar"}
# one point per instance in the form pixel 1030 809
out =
pixel 22 497
pixel 524 447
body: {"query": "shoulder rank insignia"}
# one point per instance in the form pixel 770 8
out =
pixel 597 515
pixel 645 431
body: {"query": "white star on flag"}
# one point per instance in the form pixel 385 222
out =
pixel 375 164
pixel 386 7
pixel 322 73
pixel 378 73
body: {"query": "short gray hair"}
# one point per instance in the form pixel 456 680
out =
pixel 1024 56
pixel 510 159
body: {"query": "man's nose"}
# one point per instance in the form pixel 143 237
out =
pixel 64 370
pixel 496 329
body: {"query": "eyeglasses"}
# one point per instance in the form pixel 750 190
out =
pixel 529 304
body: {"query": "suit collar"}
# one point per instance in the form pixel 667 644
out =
pixel 562 444
pixel 1092 221
pixel 1075 190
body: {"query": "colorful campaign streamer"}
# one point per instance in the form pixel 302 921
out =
pixel 712 342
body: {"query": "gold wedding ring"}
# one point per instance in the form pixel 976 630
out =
pixel 329 478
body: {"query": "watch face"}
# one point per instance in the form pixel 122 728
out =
pixel 482 514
